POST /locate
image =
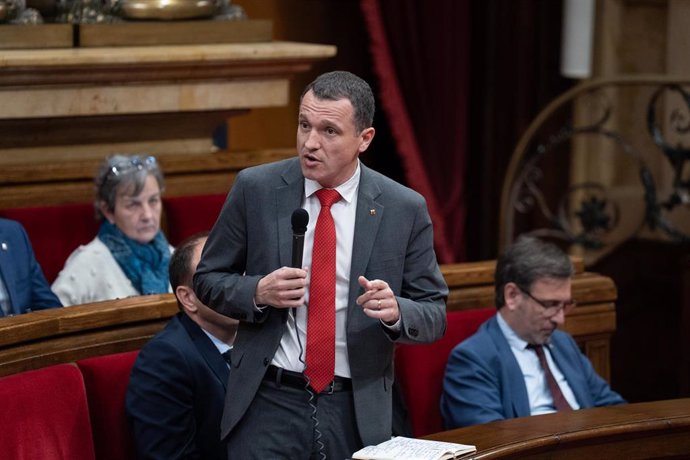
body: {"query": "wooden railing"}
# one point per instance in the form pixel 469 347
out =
pixel 42 338
pixel 659 429
pixel 61 335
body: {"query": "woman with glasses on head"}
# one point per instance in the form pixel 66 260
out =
pixel 130 254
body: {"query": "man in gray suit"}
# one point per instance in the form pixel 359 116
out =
pixel 388 286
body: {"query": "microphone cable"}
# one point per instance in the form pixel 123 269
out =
pixel 312 399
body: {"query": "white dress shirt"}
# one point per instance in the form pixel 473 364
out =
pixel 5 299
pixel 291 352
pixel 219 344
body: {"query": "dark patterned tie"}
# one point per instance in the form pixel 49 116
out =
pixel 559 401
pixel 226 356
pixel 320 367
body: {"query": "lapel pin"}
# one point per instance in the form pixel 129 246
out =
pixel 372 212
pixel 4 246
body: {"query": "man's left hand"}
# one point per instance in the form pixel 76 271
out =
pixel 378 301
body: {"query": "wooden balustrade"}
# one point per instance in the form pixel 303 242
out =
pixel 659 429
pixel 42 338
pixel 63 110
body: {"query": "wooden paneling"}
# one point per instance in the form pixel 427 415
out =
pixel 35 36
pixel 46 337
pixel 659 429
pixel 53 183
pixel 79 105
pixel 174 33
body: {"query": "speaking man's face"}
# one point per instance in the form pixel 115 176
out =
pixel 327 140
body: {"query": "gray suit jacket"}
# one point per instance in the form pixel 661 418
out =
pixel 253 237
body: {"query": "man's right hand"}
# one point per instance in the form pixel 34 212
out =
pixel 282 288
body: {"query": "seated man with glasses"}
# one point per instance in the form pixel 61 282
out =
pixel 518 363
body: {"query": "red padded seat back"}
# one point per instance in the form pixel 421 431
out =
pixel 420 369
pixel 187 215
pixel 45 415
pixel 106 378
pixel 55 231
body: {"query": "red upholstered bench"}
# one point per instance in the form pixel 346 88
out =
pixel 420 369
pixel 68 411
pixel 55 231
pixel 45 415
pixel 106 378
pixel 187 215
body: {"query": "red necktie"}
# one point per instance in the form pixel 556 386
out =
pixel 321 310
pixel 559 401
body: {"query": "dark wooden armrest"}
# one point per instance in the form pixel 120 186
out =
pixel 42 338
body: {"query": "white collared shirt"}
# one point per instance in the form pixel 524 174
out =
pixel 5 303
pixel 540 399
pixel 291 352
pixel 219 344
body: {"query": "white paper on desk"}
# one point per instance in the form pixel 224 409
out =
pixel 402 448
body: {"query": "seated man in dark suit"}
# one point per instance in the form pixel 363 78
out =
pixel 23 287
pixel 518 363
pixel 176 390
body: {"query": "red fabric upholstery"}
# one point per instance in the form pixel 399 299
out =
pixel 187 215
pixel 45 415
pixel 106 379
pixel 55 231
pixel 420 369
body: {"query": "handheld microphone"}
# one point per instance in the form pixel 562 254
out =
pixel 300 219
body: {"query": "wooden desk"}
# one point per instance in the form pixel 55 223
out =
pixel 644 430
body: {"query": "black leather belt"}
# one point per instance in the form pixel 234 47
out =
pixel 297 380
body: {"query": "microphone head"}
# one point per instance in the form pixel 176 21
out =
pixel 300 219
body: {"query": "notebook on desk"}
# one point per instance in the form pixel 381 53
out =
pixel 402 448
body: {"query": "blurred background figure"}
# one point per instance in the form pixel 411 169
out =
pixel 130 255
pixel 177 386
pixel 519 363
pixel 22 285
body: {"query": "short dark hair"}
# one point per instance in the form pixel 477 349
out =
pixel 339 84
pixel 528 260
pixel 180 269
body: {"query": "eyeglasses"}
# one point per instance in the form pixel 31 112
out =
pixel 135 163
pixel 552 307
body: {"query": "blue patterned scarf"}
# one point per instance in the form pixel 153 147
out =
pixel 146 265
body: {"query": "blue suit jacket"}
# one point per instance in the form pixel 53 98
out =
pixel 393 241
pixel 484 383
pixel 175 395
pixel 21 274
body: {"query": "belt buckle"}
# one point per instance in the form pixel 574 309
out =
pixel 331 387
